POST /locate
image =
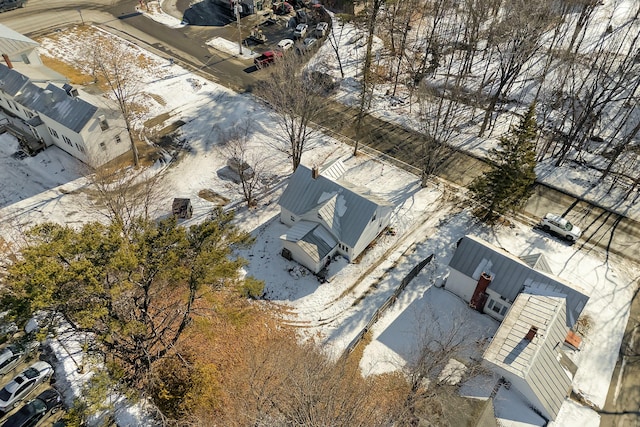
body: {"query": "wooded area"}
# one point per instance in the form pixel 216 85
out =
pixel 467 63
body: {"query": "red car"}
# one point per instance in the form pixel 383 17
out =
pixel 267 58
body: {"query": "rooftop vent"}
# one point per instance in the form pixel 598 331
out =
pixel 48 96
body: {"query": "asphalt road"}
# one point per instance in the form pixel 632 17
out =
pixel 602 229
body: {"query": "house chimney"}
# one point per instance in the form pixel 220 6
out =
pixel 480 296
pixel 315 172
pixel 7 60
pixel 531 334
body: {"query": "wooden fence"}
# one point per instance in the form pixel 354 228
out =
pixel 388 303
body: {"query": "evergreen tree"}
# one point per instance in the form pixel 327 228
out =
pixel 509 182
pixel 135 292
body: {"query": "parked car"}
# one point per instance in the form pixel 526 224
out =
pixel 306 45
pixel 23 384
pixel 300 31
pixel 11 4
pixel 47 402
pixel 267 58
pixel 285 44
pixel 321 29
pixel 556 224
pixel 12 355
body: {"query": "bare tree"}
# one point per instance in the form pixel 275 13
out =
pixel 286 384
pixel 114 65
pixel 124 195
pixel 441 114
pixel 516 39
pixel 371 11
pixel 297 99
pixel 248 164
pixel 335 38
pixel 447 353
pixel 586 7
pixel 606 82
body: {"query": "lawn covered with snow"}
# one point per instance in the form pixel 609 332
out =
pixel 430 220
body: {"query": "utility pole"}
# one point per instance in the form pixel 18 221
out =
pixel 237 8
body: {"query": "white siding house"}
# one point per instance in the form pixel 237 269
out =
pixel 89 128
pixel 536 310
pixel 527 351
pixel 509 275
pixel 328 215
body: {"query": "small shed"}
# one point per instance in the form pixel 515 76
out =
pixel 182 208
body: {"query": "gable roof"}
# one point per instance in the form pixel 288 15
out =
pixel 537 360
pixel 345 208
pixel 511 275
pixel 312 237
pixel 11 81
pixel 54 102
pixel 14 43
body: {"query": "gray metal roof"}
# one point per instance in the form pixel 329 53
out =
pixel 11 81
pixel 313 238
pixel 53 102
pixel 536 361
pixel 511 275
pixel 347 209
pixel 12 42
pixel 537 262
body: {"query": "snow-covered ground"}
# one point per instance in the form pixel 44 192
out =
pixel 428 221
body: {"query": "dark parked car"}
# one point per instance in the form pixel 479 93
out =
pixel 11 4
pixel 49 401
pixel 12 355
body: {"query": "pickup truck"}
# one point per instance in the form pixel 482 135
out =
pixel 267 58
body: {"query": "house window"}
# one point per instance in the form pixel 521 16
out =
pixel 29 114
pixel 293 219
pixel 80 147
pixel 103 123
pixel 374 217
pixel 118 140
pixel 67 140
pixel 319 216
pixel 25 59
pixel 496 307
pixel 53 132
pixel 103 146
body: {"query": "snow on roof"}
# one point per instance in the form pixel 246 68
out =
pixel 527 345
pixel 346 208
pixel 511 274
pixel 54 102
pixel 12 42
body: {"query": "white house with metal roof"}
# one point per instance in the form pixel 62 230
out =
pixel 88 127
pixel 537 311
pixel 328 215
pixel 527 351
pixel 505 276
pixel 18 48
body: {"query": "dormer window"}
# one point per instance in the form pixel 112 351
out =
pixel 103 123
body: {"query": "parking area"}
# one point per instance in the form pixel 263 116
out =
pixel 20 359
